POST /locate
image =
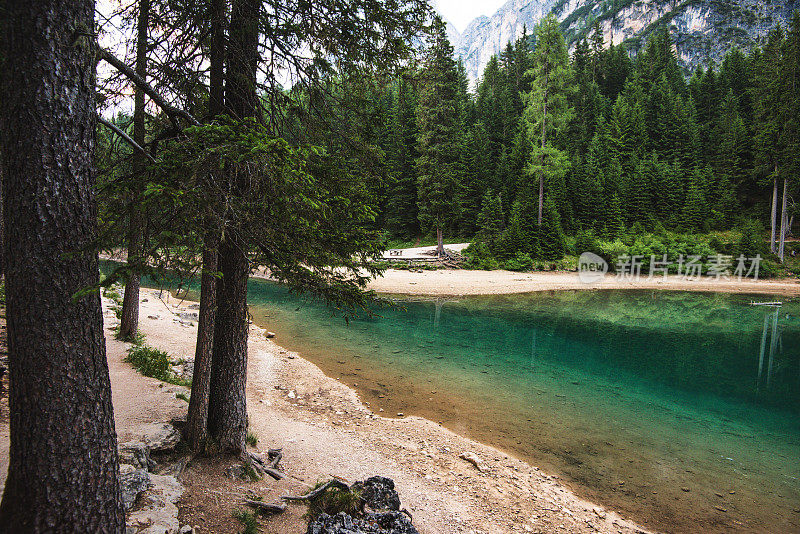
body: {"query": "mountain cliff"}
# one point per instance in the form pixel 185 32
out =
pixel 703 30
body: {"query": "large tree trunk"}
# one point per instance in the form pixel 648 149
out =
pixel 439 242
pixel 63 471
pixel 227 411
pixel 227 408
pixel 783 220
pixel 129 322
pixel 197 419
pixel 774 212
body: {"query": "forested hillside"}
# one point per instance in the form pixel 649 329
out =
pixel 624 145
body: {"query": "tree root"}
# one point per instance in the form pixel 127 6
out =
pixel 313 494
pixel 257 463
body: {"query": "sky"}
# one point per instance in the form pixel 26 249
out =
pixel 461 12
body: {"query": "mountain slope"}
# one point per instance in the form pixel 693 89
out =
pixel 703 30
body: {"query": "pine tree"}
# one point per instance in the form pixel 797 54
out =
pixel 767 97
pixel 490 219
pixel 637 194
pixel 548 111
pixel 401 208
pixel 694 210
pixel 614 219
pixel 549 235
pixel 730 139
pixel 439 140
pixel 476 179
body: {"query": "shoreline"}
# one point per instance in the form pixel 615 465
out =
pixel 465 282
pixel 458 283
pixel 325 428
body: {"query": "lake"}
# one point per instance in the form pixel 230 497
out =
pixel 681 410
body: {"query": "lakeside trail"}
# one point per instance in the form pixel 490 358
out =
pixel 325 430
pixel 450 282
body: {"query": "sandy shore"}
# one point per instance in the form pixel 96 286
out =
pixel 324 429
pixel 448 282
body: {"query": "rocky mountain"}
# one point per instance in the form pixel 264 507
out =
pixel 703 30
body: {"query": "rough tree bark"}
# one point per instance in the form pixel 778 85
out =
pixel 63 469
pixel 439 242
pixel 129 321
pixel 197 419
pixel 227 410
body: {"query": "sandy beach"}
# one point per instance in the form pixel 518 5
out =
pixel 324 429
pixel 449 282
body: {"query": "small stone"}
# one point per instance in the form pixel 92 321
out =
pixel 474 459
pixel 292 394
pixel 685 489
pixel 721 509
pixel 399 414
pixel 189 316
pixel 153 317
pixel 269 335
pixel 185 529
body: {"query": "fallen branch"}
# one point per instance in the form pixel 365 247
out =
pixel 266 507
pixel 333 483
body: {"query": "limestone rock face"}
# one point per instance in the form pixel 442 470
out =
pixel 702 31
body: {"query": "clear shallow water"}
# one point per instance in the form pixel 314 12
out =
pixel 633 397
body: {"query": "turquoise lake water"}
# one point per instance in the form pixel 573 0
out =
pixel 661 405
pixel 633 397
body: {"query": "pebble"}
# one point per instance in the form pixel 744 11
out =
pixel 400 414
pixel 721 509
pixel 685 489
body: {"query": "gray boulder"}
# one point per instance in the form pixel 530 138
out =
pixel 137 454
pixel 132 484
pixel 372 523
pixel 379 493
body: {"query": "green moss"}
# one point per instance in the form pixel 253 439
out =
pixel 248 520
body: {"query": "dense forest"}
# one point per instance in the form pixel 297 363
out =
pixel 596 145
pixel 557 152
